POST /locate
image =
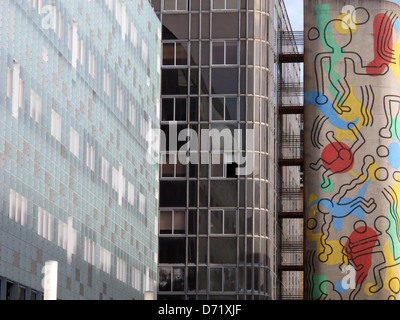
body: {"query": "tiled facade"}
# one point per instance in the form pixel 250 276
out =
pixel 79 82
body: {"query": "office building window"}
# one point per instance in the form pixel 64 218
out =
pixel 15 89
pixel 89 252
pixel 145 52
pixel 225 52
pixel 223 279
pixel 172 167
pixel 142 204
pixel 74 142
pixel 224 109
pixel 18 210
pixel 107 83
pixel 45 224
pixel 36 107
pixel 136 279
pixel 122 271
pixel 223 165
pixel 134 35
pixel 172 222
pixel 223 221
pixel 90 157
pixel 81 51
pixel 132 114
pixel 105 260
pixel 55 125
pixel 171 279
pixel 67 237
pixel 175 5
pixel 105 170
pixel 175 54
pixel 225 4
pixel 120 99
pixel 92 65
pixel 131 194
pixel 174 109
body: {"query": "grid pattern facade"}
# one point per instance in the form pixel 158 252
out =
pixel 218 229
pixel 79 88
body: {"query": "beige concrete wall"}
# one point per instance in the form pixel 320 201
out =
pixel 352 149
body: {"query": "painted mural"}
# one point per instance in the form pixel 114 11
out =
pixel 352 149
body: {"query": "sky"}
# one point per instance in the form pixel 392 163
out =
pixel 295 11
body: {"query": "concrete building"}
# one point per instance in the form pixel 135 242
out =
pixel 352 100
pixel 219 225
pixel 79 88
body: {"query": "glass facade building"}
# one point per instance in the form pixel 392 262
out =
pixel 79 97
pixel 219 236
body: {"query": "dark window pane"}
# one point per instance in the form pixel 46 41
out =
pixel 218 53
pixel 194 81
pixel 231 109
pixel 204 109
pixel 175 26
pixel 192 279
pixel 192 250
pixel 164 281
pixel 224 81
pixel 180 170
pixel 230 222
pixel 223 250
pixel 172 250
pixel 181 54
pixel 168 54
pixel 216 279
pixel 180 109
pixel 192 222
pixel 231 53
pixel 203 222
pixel 167 170
pixel 216 222
pixel 167 109
pixel 173 194
pixel 179 222
pixel 223 193
pixel 202 279
pixel 175 81
pixel 204 81
pixel 217 165
pixel 218 109
pixel 165 222
pixel 225 25
pixel 229 279
pixel 192 193
pixel 203 250
pixel 179 279
pixel 194 109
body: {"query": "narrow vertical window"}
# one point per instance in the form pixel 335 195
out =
pixel 55 125
pixel 74 142
pixel 36 107
pixel 18 210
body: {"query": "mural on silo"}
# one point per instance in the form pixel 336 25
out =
pixel 352 149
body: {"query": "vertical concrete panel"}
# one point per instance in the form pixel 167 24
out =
pixel 352 149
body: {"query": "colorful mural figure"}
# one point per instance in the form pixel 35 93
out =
pixel 352 150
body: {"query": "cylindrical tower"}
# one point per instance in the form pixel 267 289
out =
pixel 352 149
